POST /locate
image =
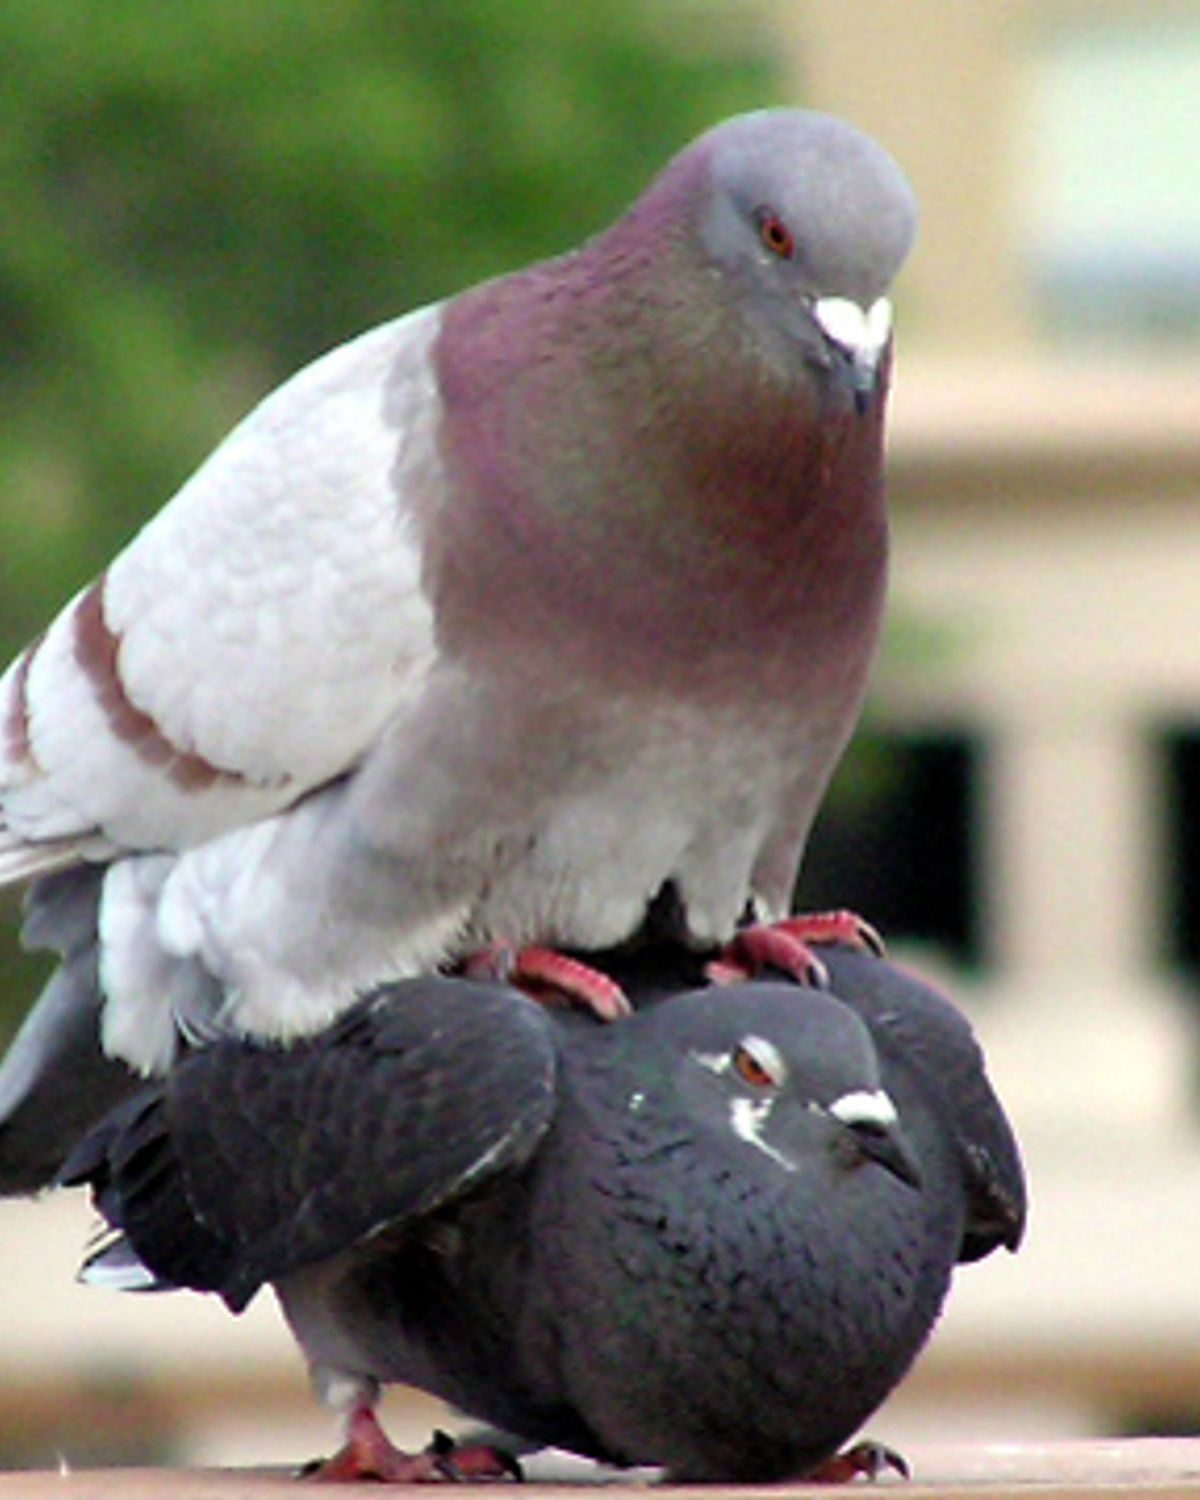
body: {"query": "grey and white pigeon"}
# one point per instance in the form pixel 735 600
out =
pixel 710 1238
pixel 487 627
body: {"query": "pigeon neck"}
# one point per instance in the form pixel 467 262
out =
pixel 619 453
pixel 710 444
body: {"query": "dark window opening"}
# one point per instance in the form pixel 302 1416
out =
pixel 898 840
pixel 1180 752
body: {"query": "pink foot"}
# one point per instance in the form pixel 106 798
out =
pixel 552 978
pixel 788 947
pixel 868 1459
pixel 368 1454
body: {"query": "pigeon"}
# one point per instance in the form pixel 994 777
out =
pixel 710 1238
pixel 486 629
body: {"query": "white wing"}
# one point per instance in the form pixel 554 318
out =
pixel 252 640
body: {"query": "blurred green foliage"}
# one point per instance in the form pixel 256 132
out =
pixel 200 197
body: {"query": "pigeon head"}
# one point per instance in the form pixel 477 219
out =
pixel 695 396
pixel 809 220
pixel 787 1074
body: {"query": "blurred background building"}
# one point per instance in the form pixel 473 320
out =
pixel 197 201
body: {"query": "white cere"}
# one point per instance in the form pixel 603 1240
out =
pixel 864 1107
pixel 856 329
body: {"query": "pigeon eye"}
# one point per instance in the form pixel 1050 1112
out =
pixel 775 234
pixel 758 1063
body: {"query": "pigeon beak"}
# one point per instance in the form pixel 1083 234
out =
pixel 872 1121
pixel 861 335
pixel 891 1150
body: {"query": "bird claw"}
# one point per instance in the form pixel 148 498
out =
pixel 552 978
pixel 868 1460
pixel 368 1454
pixel 474 1463
pixel 788 947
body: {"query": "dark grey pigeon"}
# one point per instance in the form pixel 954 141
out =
pixel 711 1238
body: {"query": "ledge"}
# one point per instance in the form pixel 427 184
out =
pixel 1059 1471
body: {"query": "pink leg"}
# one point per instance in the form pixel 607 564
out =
pixel 788 947
pixel 368 1454
pixel 552 978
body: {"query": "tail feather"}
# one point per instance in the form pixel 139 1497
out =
pixel 56 1081
pixel 24 859
pixel 140 1188
pixel 114 1265
pixel 20 861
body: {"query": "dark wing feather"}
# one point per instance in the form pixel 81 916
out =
pixel 253 1160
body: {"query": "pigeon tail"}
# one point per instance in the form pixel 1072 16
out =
pixel 114 1265
pixel 56 1081
pixel 20 861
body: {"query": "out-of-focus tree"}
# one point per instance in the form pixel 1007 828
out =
pixel 200 197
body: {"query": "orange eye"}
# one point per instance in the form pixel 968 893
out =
pixel 775 234
pixel 751 1070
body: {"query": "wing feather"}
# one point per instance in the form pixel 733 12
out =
pixel 253 1161
pixel 254 638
